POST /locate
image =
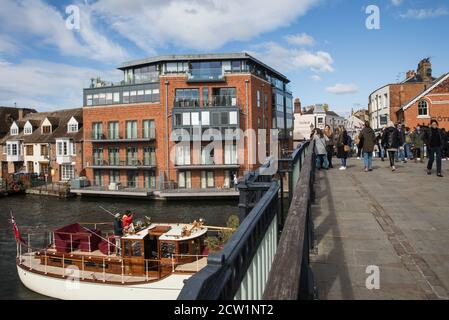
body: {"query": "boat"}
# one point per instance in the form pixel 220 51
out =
pixel 83 261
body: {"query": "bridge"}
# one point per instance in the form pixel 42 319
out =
pixel 336 235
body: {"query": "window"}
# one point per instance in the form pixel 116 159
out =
pixel 98 157
pixel 62 148
pixel 44 150
pixel 149 156
pixel 28 130
pixel 131 156
pixel 230 154
pixel 205 118
pixel 148 129
pixel 236 66
pixel 423 109
pixel 195 118
pixel 98 178
pixel 114 176
pixel 205 97
pixel 233 117
pixel 182 155
pixel 207 155
pixel 187 98
pixel 97 130
pixel 186 119
pixel 258 98
pixel 29 150
pixel 116 97
pixel 178 119
pixel 207 179
pixel 131 179
pixel 185 179
pixel 46 129
pixel 67 172
pixel 320 120
pixel 89 100
pixel 125 96
pixel 72 127
pixel 113 130
pixel 114 156
pixel 131 129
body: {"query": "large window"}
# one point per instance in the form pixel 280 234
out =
pixel 114 156
pixel 98 156
pixel 423 109
pixel 97 130
pixel 29 150
pixel 131 129
pixel 185 179
pixel 67 172
pixel 207 179
pixel 149 156
pixel 224 97
pixel 98 178
pixel 187 98
pixel 149 180
pixel 206 70
pixel 131 156
pixel 113 130
pixel 114 176
pixel 62 148
pixel 146 74
pixel 182 155
pixel 44 150
pixel 230 154
pixel 148 128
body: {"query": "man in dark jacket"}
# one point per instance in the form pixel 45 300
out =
pixel 118 232
pixel 368 137
pixel 390 142
pixel 401 151
pixel 434 141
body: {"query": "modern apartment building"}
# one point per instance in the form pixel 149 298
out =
pixel 49 144
pixel 135 131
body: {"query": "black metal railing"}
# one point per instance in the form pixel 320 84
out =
pixel 258 206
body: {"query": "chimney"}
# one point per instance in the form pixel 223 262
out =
pixel 410 74
pixel 425 70
pixel 297 105
pixel 20 114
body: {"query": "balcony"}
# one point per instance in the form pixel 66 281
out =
pixel 102 138
pixel 14 158
pixel 213 101
pixel 64 159
pixel 206 75
pixel 129 164
pixel 209 166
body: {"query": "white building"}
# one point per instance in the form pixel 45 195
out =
pixel 353 126
pixel 379 107
pixel 315 117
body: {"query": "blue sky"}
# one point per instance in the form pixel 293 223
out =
pixel 323 46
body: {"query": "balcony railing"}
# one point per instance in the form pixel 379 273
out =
pixel 96 137
pixel 213 101
pixel 205 74
pixel 133 163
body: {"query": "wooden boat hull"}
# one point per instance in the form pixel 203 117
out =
pixel 167 288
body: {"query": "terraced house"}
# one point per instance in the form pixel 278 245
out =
pixel 129 126
pixel 49 144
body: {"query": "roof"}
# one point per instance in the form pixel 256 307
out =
pixel 435 84
pixel 199 57
pixel 10 114
pixel 58 118
pixel 321 110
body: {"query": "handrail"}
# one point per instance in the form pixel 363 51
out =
pixel 289 277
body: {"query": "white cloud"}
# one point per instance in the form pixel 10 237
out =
pixel 302 39
pixel 193 24
pixel 45 85
pixel 287 59
pixel 424 13
pixel 315 78
pixel 38 22
pixel 397 2
pixel 342 88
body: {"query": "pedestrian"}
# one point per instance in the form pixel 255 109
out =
pixel 400 155
pixel 236 182
pixel 329 145
pixel 390 142
pixel 445 153
pixel 118 232
pixel 321 140
pixel 379 145
pixel 359 144
pixel 408 144
pixel 368 137
pixel 418 144
pixel 343 147
pixel 435 141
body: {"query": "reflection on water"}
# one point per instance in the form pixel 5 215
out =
pixel 42 213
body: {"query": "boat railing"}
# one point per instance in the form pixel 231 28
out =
pixel 154 269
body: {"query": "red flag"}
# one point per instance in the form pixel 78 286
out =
pixel 16 230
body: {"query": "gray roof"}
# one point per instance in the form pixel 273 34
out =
pixel 199 57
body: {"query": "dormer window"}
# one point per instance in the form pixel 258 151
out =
pixel 46 129
pixel 28 129
pixel 14 131
pixel 73 127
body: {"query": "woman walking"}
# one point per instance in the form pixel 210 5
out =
pixel 329 145
pixel 368 137
pixel 320 149
pixel 390 142
pixel 342 145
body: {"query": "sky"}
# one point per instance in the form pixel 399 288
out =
pixel 333 51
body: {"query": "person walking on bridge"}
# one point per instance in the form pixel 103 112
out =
pixel 391 142
pixel 434 141
pixel 329 145
pixel 321 140
pixel 343 148
pixel 418 144
pixel 368 137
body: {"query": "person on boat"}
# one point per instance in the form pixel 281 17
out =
pixel 127 220
pixel 118 231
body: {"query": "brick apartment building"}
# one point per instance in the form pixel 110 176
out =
pixel 385 102
pixel 49 144
pixel 131 128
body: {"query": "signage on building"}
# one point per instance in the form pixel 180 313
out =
pixel 383 120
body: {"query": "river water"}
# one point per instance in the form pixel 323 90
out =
pixel 43 213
